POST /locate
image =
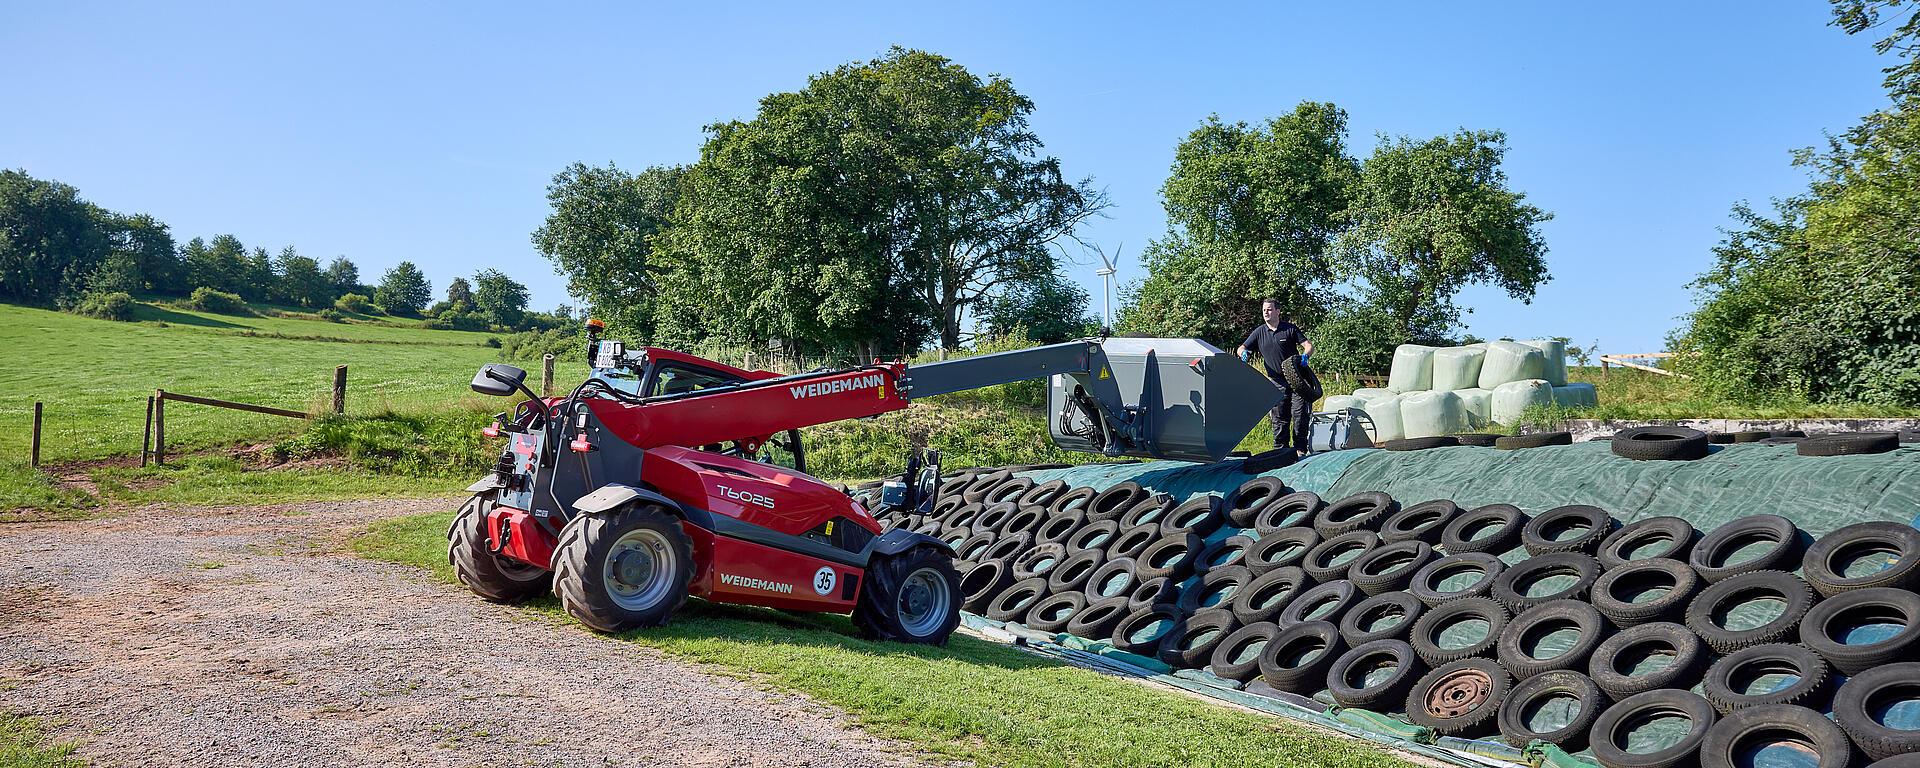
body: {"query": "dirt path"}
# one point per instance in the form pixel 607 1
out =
pixel 241 636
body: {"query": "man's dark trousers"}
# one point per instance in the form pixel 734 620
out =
pixel 1291 419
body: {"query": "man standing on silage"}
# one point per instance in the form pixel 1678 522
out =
pixel 1280 343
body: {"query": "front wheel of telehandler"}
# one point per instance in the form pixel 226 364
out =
pixel 624 569
pixel 493 577
pixel 911 597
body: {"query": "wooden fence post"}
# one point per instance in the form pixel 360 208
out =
pixel 546 374
pixel 340 389
pixel 160 427
pixel 146 434
pixel 36 434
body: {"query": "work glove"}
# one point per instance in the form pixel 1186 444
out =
pixel 1246 357
pixel 1303 358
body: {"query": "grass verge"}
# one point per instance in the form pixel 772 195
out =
pixel 971 700
pixel 24 745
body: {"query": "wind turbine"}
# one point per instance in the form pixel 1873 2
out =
pixel 1107 274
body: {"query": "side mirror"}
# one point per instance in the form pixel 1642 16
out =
pixel 498 379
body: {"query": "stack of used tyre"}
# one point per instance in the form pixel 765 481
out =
pixel 1562 627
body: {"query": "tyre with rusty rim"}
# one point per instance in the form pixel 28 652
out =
pixel 1461 698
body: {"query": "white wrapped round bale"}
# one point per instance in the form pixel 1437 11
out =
pixel 1515 397
pixel 1478 404
pixel 1385 413
pixel 1341 403
pixel 1457 367
pixel 1510 361
pixel 1370 394
pixel 1577 395
pixel 1412 368
pixel 1556 354
pixel 1432 414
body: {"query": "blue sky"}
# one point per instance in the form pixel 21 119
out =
pixel 428 132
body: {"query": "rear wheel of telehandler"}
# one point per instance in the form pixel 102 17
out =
pixel 623 569
pixel 911 597
pixel 493 577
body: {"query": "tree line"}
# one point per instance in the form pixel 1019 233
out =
pixel 892 204
pixel 58 249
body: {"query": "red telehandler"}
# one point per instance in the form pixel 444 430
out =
pixel 665 475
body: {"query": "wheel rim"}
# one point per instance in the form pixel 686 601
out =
pixel 924 602
pixel 639 569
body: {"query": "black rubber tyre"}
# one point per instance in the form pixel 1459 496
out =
pixel 1546 686
pixel 1055 611
pixel 1215 590
pixel 1388 568
pixel 1072 573
pixel 1849 443
pixel 910 597
pixel 1730 679
pixel 494 578
pixel 1149 511
pixel 982 583
pixel 1709 608
pixel 1670 538
pixel 1024 520
pixel 1826 561
pixel 1112 502
pixel 1043 494
pixel 1074 500
pixel 1262 599
pixel 1512 586
pixel 1536 440
pixel 1612 664
pixel 1382 617
pixel 1525 631
pixel 1297 659
pixel 1660 444
pixel 974 548
pixel 1326 602
pixel 1092 536
pixel 1294 510
pixel 1466 714
pixel 1151 592
pixel 1347 678
pixel 1097 620
pixel 1281 549
pixel 954 537
pixel 1009 546
pixel 984 483
pixel 929 527
pixel 1199 516
pixel 1863 697
pixel 1421 443
pixel 1781 441
pixel 1732 742
pixel 1193 647
pixel 1039 561
pixel 1145 630
pixel 594 591
pixel 1171 557
pixel 1114 578
pixel 1009 492
pixel 1494 529
pixel 1477 439
pixel 1230 552
pixel 1361 511
pixel 1130 542
pixel 1056 529
pixel 1427 583
pixel 1616 592
pixel 1608 739
pixel 993 517
pixel 1425 637
pixel 1268 461
pixel 962 516
pixel 1333 557
pixel 1246 501
pixel 1237 656
pixel 1013 602
pixel 1421 522
pixel 1711 557
pixel 1825 627
pixel 1589 525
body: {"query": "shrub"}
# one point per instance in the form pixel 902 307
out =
pixel 218 302
pixel 114 305
pixel 332 315
pixel 353 302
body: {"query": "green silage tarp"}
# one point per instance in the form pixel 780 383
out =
pixel 1181 479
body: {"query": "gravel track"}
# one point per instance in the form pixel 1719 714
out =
pixel 244 636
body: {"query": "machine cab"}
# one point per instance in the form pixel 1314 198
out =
pixel 654 372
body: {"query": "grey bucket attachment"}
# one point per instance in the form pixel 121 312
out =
pixel 1181 399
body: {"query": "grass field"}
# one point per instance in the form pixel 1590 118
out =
pixel 971 700
pixel 23 745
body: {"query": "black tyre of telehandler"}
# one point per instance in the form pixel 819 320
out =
pixel 911 597
pixel 492 577
pixel 624 569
